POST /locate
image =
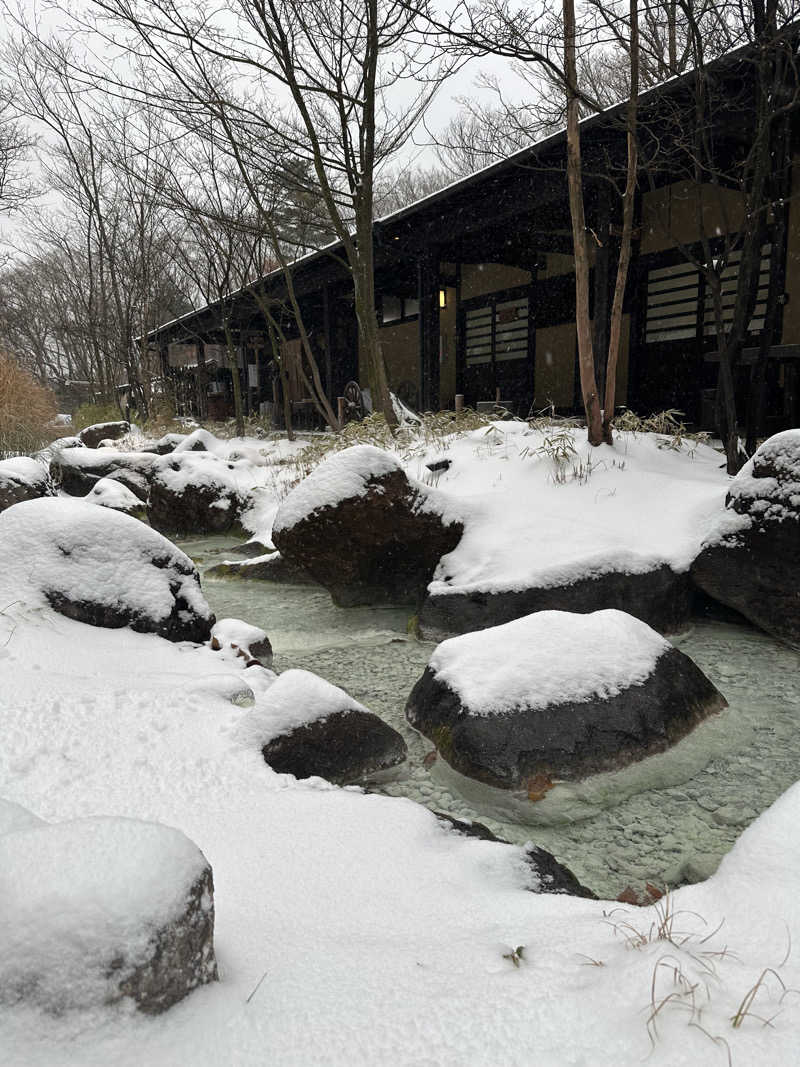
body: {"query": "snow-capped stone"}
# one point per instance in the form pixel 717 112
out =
pixel 305 726
pixel 249 641
pixel 77 470
pixel 101 567
pixel 362 529
pixel 750 559
pixel 557 694
pixel 92 436
pixel 547 874
pixel 197 492
pixel 22 478
pixel 198 440
pixel 100 909
pixel 112 493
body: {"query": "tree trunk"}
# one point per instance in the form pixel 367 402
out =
pixel 623 264
pixel 591 401
pixel 233 367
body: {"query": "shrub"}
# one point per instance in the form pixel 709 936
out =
pixel 89 414
pixel 27 410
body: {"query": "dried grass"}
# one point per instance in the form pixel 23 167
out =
pixel 27 410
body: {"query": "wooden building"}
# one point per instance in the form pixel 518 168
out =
pixel 476 286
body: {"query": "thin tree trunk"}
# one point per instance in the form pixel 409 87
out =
pixel 623 264
pixel 233 367
pixel 591 401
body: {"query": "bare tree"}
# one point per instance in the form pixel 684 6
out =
pixel 331 66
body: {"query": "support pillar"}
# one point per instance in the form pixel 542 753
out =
pixel 428 297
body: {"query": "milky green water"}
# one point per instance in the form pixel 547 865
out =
pixel 668 819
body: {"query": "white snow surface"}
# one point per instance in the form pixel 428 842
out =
pixel 68 546
pixel 630 507
pixel 546 659
pixel 23 469
pixel 339 477
pixel 772 497
pixel 110 493
pixel 78 894
pixel 295 699
pixel 15 817
pixel 378 936
pixel 237 632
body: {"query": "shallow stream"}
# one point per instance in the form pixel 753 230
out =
pixel 666 820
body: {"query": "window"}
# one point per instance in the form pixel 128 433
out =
pixel 398 309
pixel 497 332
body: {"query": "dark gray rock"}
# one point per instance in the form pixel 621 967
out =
pixel 22 479
pixel 345 747
pixel 194 493
pixel 103 431
pixel 662 598
pixel 182 955
pixel 381 545
pixel 77 470
pixel 550 876
pixel 525 748
pixel 752 562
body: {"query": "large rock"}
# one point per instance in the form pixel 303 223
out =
pixel 549 876
pixel 101 567
pixel 77 470
pixel 112 493
pixel 248 642
pixel 21 479
pixel 305 726
pixel 101 909
pixel 660 597
pixel 363 530
pixel 103 431
pixel 197 492
pixel 557 695
pixel 750 560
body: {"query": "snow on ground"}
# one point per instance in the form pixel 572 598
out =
pixel 354 929
pixel 540 506
pixel 535 521
pixel 377 935
pixel 551 657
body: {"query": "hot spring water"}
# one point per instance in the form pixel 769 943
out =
pixel 668 819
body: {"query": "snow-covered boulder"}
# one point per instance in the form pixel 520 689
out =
pixel 198 440
pixel 92 435
pixel 750 559
pixel 100 567
pixel 305 726
pixel 557 695
pixel 197 492
pixel 77 470
pixel 112 493
pixel 101 909
pixel 548 875
pixel 250 642
pixel 22 478
pixel 363 530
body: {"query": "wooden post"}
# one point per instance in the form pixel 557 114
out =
pixel 340 409
pixel 459 403
pixel 428 298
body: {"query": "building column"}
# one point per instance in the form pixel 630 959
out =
pixel 428 297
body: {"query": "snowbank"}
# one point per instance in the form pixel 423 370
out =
pixel 61 552
pixel 552 657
